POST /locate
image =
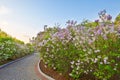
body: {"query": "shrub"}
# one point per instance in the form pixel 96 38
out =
pixel 7 48
pixel 84 50
pixel 11 48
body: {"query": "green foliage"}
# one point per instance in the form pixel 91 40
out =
pixel 11 48
pixel 88 23
pixel 117 21
pixel 83 49
pixel 7 48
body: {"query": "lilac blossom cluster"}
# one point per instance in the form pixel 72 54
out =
pixel 84 50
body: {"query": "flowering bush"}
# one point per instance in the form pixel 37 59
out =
pixel 12 48
pixel 7 48
pixel 82 50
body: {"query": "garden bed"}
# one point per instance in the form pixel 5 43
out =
pixel 57 76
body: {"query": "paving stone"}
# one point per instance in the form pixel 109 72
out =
pixel 21 70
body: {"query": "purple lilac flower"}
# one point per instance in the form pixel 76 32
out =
pixel 97 21
pixel 101 13
pixel 68 22
pixel 90 41
pixel 62 34
pixel 105 37
pixel 112 28
pixel 99 31
pixel 109 17
pixel 119 30
pixel 71 23
pixel 58 29
pixel 75 22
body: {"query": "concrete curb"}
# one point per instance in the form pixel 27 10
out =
pixel 43 74
pixel 9 63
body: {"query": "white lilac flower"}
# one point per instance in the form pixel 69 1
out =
pixel 106 58
pixel 95 60
pixel 76 72
pixel 45 66
pixel 104 79
pixel 72 62
pixel 80 42
pixel 93 39
pixel 72 66
pixel 92 60
pixel 96 51
pixel 57 44
pixel 91 70
pixel 44 56
pixel 77 68
pixel 63 42
pixel 85 72
pixel 53 41
pixel 73 39
pixel 78 61
pixel 77 37
pixel 46 63
pixel 52 56
pixel 84 50
pixel 77 64
pixel 101 62
pixel 87 60
pixel 99 57
pixel 115 69
pixel 49 39
pixel 92 35
pixel 54 68
pixel 115 32
pixel 89 52
pixel 40 44
pixel 83 38
pixel 44 41
pixel 105 61
pixel 81 62
pixel 70 74
pixel 47 49
pixel 75 44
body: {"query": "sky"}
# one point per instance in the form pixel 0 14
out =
pixel 23 19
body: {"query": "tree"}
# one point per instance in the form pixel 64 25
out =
pixel 117 20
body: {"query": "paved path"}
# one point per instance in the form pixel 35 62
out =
pixel 21 70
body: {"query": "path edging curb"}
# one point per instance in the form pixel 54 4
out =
pixel 48 77
pixel 4 65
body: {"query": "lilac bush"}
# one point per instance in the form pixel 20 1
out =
pixel 11 48
pixel 80 50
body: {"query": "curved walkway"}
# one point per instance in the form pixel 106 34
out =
pixel 21 70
